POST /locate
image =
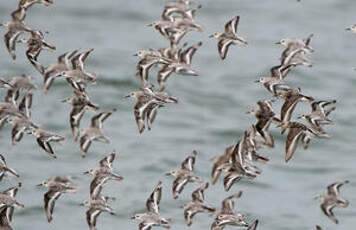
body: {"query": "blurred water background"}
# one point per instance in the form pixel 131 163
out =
pixel 210 115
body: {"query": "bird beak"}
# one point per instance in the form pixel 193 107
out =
pixel 132 218
pixel 64 100
pixel 167 174
pixel 39 185
pixel 127 96
pixel 135 55
pixel 347 29
pixel 211 36
pixel 150 24
pixel 257 81
pixel 277 43
pixel 87 172
pixel 300 117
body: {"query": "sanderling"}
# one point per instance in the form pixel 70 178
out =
pixel 96 206
pixel 152 215
pixel 22 124
pixel 332 199
pixel 239 167
pixel 147 103
pixel 53 70
pixel 165 27
pixel 148 60
pixel 296 132
pixel 56 186
pixel 44 138
pixel 291 45
pixel 35 44
pixel 8 201
pixel 80 102
pixel 78 76
pixel 15 28
pixel 265 116
pixel 220 163
pixel 229 37
pixel 4 169
pixel 184 175
pixel 95 131
pixel 319 114
pixel 180 66
pixel 102 174
pixel 196 205
pixel 275 81
pixel 291 98
pixel 226 215
pixel 18 83
pixel 94 211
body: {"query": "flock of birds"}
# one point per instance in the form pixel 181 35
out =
pixel 238 160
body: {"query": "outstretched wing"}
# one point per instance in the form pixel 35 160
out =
pixel 107 161
pixel 152 203
pixel 231 26
pixel 188 163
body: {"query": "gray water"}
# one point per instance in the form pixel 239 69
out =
pixel 210 115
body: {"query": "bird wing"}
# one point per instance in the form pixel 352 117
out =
pixel 198 194
pixel 188 163
pixel 163 75
pixel 46 146
pixel 187 55
pixel 223 47
pixel 231 26
pixel 178 186
pixel 108 161
pixel 327 210
pixel 97 120
pixel 228 204
pixel 2 160
pixel 96 185
pixel 49 201
pixel 292 141
pixel 152 203
pixel 334 188
pixel 230 179
pixel 85 143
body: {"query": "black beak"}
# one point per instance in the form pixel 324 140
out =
pixel 257 81
pixel 135 55
pixel 277 43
